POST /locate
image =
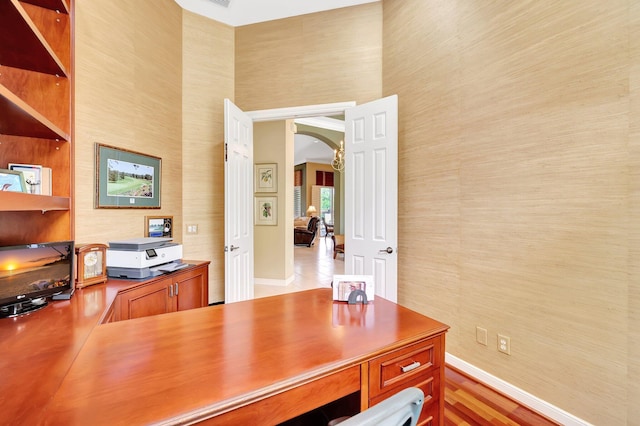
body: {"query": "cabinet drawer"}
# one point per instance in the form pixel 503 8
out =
pixel 402 366
pixel 430 385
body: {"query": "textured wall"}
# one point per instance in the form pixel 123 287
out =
pixel 515 188
pixel 633 375
pixel 207 57
pixel 325 57
pixel 128 84
pixel 273 245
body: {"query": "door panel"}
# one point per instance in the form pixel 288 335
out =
pixel 238 204
pixel 371 193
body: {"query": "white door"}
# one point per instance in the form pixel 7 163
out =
pixel 371 193
pixel 238 206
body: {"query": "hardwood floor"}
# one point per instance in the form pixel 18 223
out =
pixel 467 402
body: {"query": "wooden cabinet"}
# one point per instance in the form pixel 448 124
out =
pixel 36 115
pixel 419 365
pixel 177 291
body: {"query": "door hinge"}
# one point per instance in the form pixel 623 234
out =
pixel 225 152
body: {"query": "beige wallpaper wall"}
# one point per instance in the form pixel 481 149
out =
pixel 207 56
pixel 326 57
pixel 515 188
pixel 633 330
pixel 128 88
pixel 152 79
pixel 273 245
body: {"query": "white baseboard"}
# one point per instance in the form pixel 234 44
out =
pixel 269 281
pixel 517 394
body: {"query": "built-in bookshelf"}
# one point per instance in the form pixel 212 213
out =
pixel 36 116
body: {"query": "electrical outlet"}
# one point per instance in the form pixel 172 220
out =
pixel 192 229
pixel 481 335
pixel 504 344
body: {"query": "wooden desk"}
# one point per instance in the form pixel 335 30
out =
pixel 257 362
pixel 38 349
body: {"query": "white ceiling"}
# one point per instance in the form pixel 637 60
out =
pixel 244 12
pixel 307 149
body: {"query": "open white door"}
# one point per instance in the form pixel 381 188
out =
pixel 371 193
pixel 238 208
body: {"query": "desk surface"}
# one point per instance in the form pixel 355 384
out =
pixel 203 362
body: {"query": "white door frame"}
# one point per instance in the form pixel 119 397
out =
pixel 276 114
pixel 300 111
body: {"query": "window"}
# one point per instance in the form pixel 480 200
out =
pixel 297 193
pixel 297 201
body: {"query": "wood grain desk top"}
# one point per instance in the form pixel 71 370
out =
pixel 193 364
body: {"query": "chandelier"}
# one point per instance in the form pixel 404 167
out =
pixel 338 158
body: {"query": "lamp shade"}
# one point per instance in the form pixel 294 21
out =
pixel 311 211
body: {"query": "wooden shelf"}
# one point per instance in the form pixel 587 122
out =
pixel 57 5
pixel 23 45
pixel 19 119
pixel 21 202
pixel 36 115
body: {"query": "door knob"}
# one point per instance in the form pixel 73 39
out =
pixel 388 250
pixel 232 248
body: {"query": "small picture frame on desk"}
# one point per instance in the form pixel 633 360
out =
pixel 12 181
pixel 32 176
pixel 344 285
pixel 158 226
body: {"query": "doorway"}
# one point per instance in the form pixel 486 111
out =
pixel 374 122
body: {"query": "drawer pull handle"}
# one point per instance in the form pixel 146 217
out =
pixel 411 366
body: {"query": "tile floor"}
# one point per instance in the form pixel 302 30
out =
pixel 313 267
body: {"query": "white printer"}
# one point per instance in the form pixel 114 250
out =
pixel 143 257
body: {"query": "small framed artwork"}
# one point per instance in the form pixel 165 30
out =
pixel 158 226
pixel 266 211
pixel 12 181
pixel 126 179
pixel 32 176
pixel 266 177
pixel 344 285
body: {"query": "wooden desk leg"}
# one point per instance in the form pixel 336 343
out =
pixel 364 386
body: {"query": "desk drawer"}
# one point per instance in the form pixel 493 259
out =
pixel 430 385
pixel 410 364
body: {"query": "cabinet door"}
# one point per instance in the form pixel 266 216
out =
pixel 192 288
pixel 150 299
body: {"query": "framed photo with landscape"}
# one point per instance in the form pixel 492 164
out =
pixel 126 179
pixel 266 211
pixel 266 177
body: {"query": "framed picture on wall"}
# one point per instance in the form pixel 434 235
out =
pixel 126 179
pixel 266 211
pixel 266 177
